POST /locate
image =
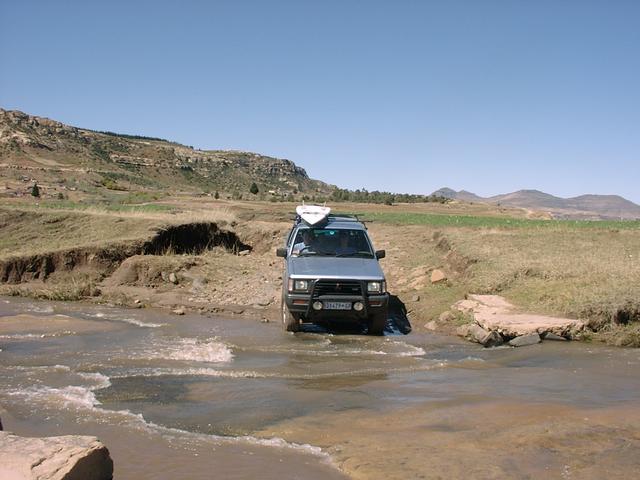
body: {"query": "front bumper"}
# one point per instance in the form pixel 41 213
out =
pixel 301 304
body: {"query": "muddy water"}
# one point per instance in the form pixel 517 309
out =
pixel 195 397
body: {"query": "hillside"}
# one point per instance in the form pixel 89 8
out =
pixel 55 155
pixel 581 207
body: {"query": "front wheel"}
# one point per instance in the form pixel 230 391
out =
pixel 290 323
pixel 377 323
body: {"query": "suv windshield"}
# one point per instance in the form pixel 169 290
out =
pixel 334 242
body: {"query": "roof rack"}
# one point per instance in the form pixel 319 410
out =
pixel 297 220
pixel 345 216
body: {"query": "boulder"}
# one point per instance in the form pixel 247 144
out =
pixel 463 330
pixel 525 340
pixel 173 278
pixel 438 276
pixel 476 333
pixel 553 336
pixel 494 339
pixel 54 458
pixel 178 311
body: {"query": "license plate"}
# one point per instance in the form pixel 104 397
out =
pixel 337 305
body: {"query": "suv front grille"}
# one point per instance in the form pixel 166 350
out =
pixel 337 287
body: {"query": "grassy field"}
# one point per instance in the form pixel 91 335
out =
pixel 487 221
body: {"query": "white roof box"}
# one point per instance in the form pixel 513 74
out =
pixel 313 214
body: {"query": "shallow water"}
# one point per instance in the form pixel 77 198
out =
pixel 198 397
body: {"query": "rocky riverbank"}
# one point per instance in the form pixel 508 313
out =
pixel 68 457
pixel 496 322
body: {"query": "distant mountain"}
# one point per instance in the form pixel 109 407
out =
pixel 461 195
pixel 528 199
pixel 584 206
pixel 39 149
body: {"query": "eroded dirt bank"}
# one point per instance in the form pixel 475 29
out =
pixel 189 238
pixel 193 265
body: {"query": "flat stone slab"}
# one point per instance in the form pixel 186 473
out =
pixel 495 313
pixel 54 458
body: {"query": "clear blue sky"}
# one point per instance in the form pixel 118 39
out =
pixel 405 96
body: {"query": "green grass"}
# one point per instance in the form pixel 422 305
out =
pixel 438 220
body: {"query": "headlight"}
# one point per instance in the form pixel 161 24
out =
pixel 375 287
pixel 298 285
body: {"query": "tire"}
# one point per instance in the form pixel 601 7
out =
pixel 290 322
pixel 377 323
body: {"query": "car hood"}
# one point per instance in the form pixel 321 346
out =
pixel 335 267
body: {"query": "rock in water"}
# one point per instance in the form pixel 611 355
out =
pixel 553 336
pixel 54 458
pixel 493 339
pixel 476 333
pixel 525 340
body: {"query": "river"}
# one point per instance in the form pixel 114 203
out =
pixel 196 397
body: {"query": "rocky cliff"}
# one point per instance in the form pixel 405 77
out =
pixel 128 162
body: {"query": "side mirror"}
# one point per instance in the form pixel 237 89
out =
pixel 380 254
pixel 281 252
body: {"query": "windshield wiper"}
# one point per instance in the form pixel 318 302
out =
pixel 355 254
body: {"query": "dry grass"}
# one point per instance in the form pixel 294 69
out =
pixel 568 270
pixel 29 231
pixel 589 274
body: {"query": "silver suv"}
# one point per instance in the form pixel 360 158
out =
pixel 332 274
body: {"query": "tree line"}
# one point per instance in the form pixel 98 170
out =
pixel 388 198
pixel 360 196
